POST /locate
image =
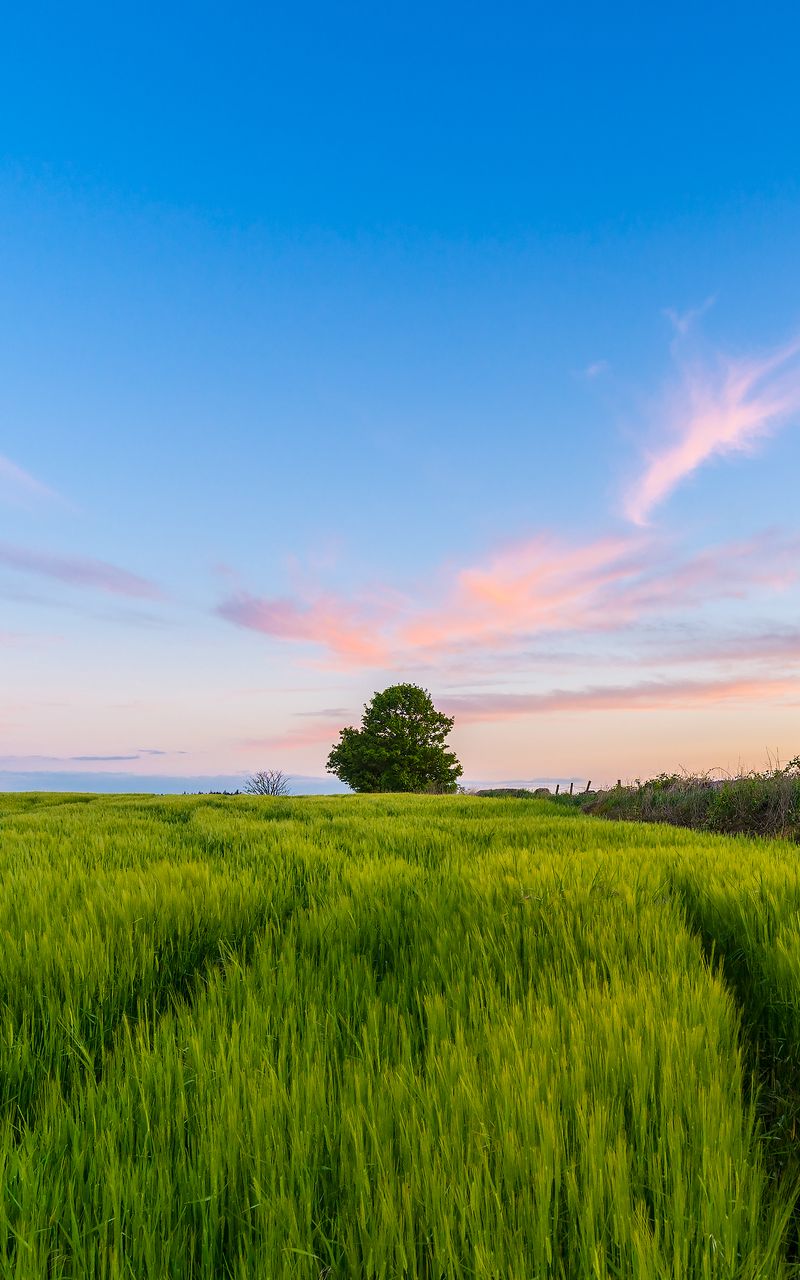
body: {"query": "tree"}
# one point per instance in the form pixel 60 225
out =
pixel 269 782
pixel 399 747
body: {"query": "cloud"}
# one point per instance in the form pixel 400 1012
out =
pixel 36 760
pixel 719 409
pixel 652 695
pixel 529 589
pixel 335 713
pixel 525 589
pixel 19 486
pixel 78 571
pixel 682 321
pixel 91 759
pixel 600 586
pixel 730 571
pixel 98 759
pixel 780 644
pixel 597 367
pixel 335 624
pixel 323 732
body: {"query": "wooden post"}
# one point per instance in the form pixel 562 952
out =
pixel 588 785
pixel 571 785
pixel 619 782
pixel 558 784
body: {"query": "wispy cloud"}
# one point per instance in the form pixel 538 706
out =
pixel 538 587
pixel 682 321
pixel 78 571
pixel 652 695
pixel 597 587
pixel 595 369
pixel 528 588
pixel 311 735
pixel 19 486
pixel 754 647
pixel 780 644
pixel 335 713
pixel 720 408
pixel 324 621
pixel 98 759
pixel 36 760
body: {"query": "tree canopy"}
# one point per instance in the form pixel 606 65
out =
pixel 399 747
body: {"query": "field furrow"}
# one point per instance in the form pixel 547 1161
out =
pixel 465 1041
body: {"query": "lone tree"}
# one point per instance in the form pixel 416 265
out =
pixel 399 747
pixel 269 782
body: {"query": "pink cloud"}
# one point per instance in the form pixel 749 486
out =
pixel 324 621
pixel 728 571
pixel 542 587
pixel 78 571
pixel 321 731
pixel 650 695
pixel 717 411
pixel 294 739
pixel 524 591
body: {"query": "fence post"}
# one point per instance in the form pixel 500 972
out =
pixel 588 784
pixel 558 784
pixel 571 785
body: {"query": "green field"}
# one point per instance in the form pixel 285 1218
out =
pixel 387 1037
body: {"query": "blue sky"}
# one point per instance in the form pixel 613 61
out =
pixel 340 346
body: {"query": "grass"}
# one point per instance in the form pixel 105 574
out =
pixel 765 803
pixel 758 804
pixel 381 1037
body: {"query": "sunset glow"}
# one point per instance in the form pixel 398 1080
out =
pixel 382 367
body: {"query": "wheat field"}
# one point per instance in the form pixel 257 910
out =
pixel 374 1037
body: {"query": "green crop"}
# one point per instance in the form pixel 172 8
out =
pixel 385 1037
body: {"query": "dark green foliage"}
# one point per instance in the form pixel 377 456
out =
pixel 763 804
pixel 580 800
pixel 507 793
pixel 399 747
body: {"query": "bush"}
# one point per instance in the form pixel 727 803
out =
pixel 763 804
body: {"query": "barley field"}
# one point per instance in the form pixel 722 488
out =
pixel 366 1037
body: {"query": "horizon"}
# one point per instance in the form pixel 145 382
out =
pixel 211 784
pixel 346 349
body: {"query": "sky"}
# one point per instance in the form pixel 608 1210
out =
pixel 349 345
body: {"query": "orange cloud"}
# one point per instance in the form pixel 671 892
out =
pixel 716 412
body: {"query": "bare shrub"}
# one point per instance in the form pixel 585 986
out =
pixel 268 782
